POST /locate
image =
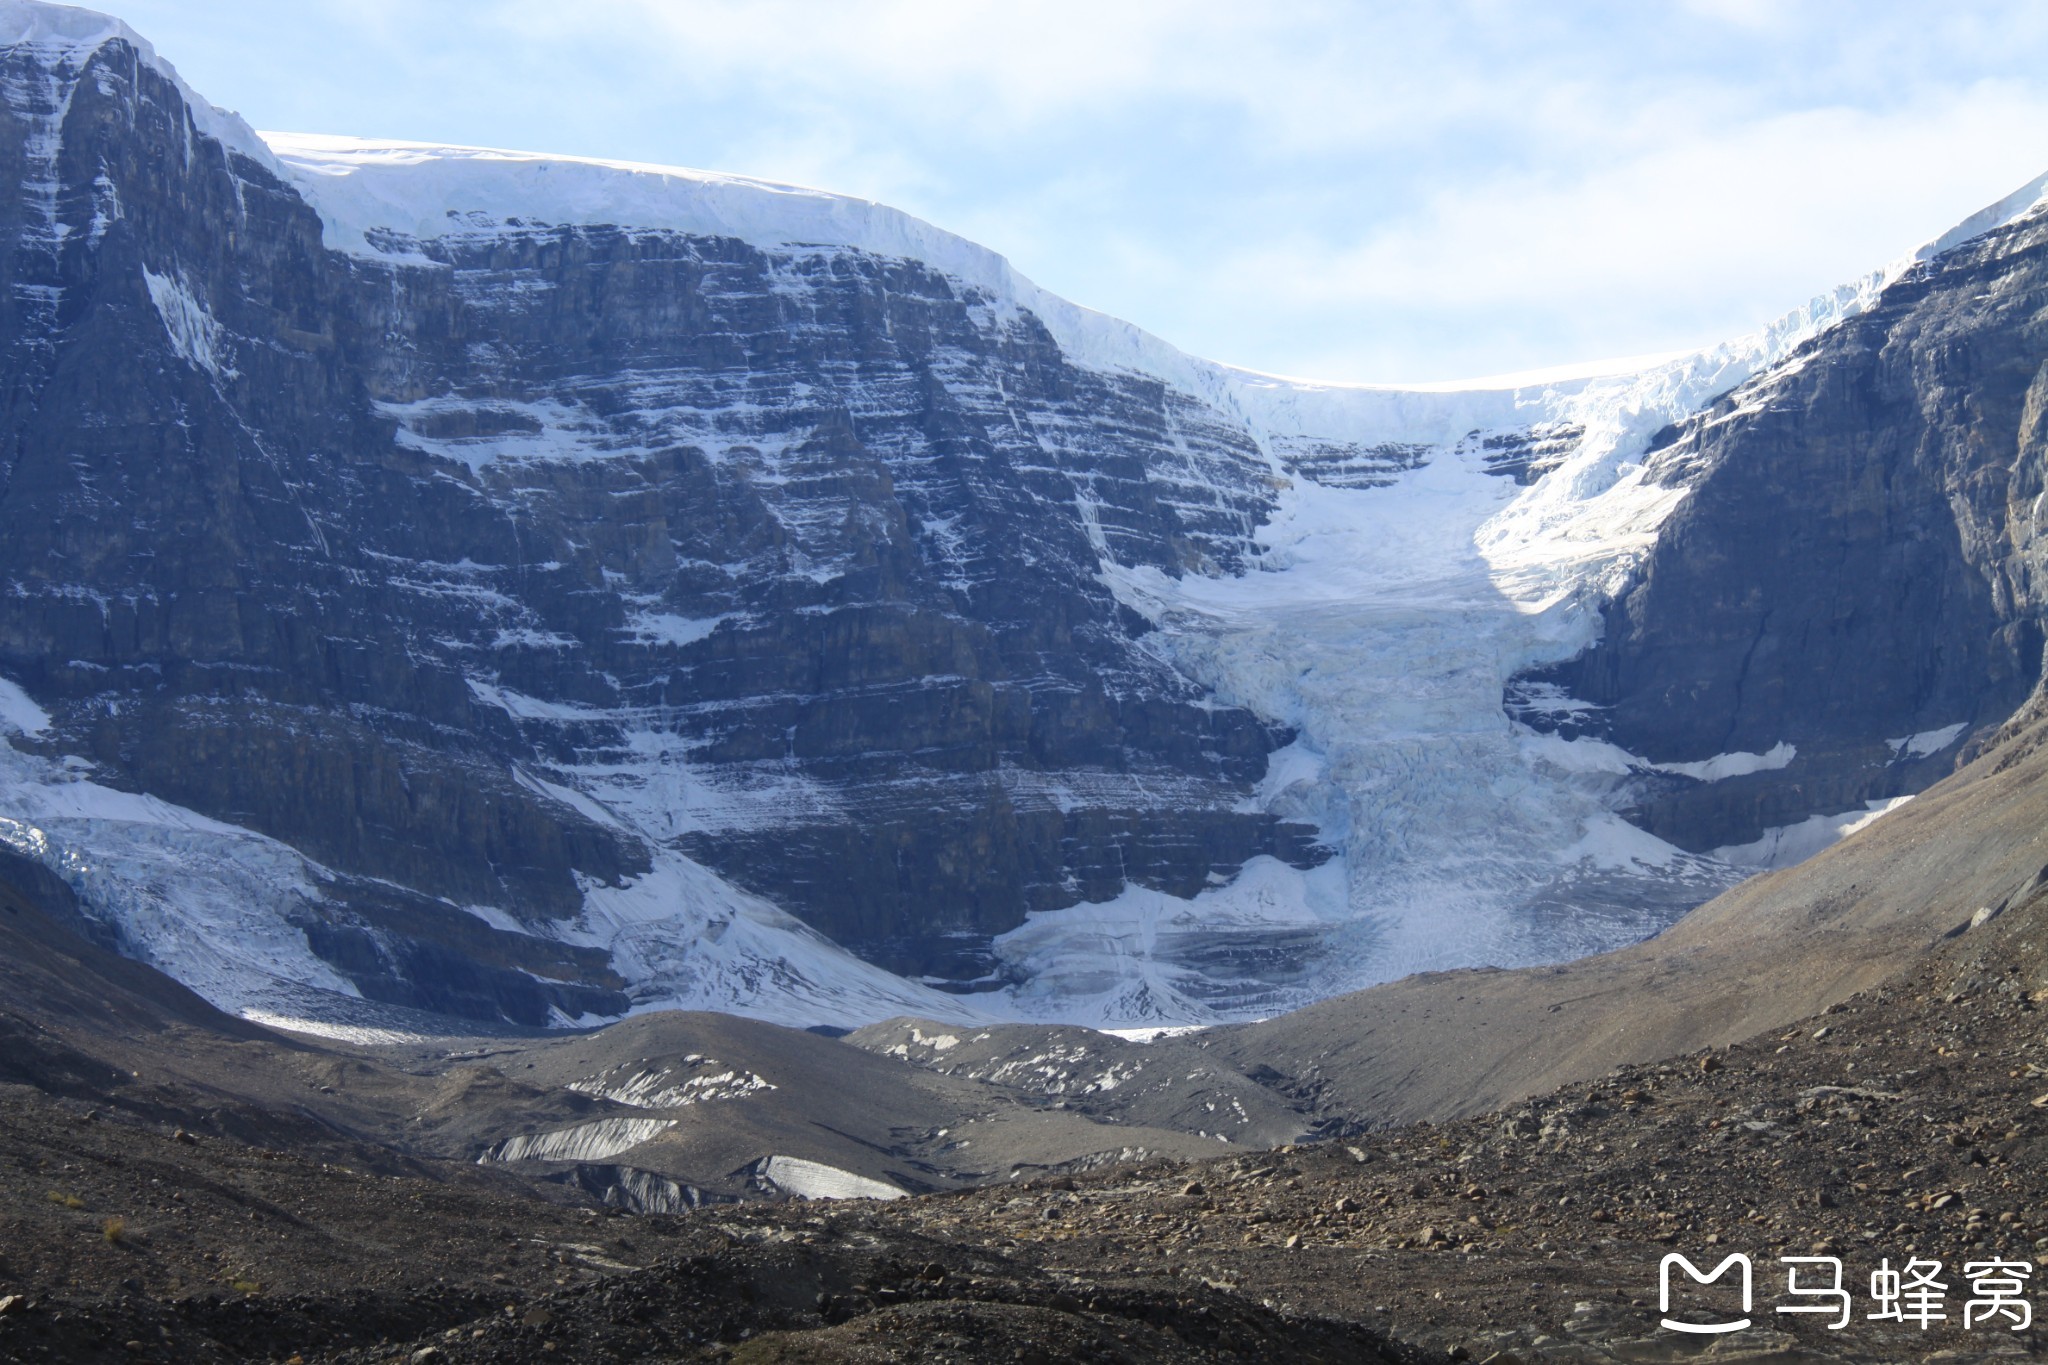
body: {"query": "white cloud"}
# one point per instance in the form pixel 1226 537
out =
pixel 1692 239
pixel 1754 15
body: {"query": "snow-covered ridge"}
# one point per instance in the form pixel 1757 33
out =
pixel 65 36
pixel 377 196
pixel 1580 527
pixel 364 188
pixel 367 190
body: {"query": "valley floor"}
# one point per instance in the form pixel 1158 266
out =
pixel 1910 1121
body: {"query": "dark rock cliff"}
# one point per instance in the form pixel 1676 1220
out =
pixel 1857 560
pixel 799 547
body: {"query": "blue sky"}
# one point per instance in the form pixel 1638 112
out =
pixel 1356 191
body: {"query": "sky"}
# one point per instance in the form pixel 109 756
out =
pixel 1368 192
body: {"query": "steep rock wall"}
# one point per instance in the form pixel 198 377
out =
pixel 1856 562
pixel 792 554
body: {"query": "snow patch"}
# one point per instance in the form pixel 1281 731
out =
pixel 1586 755
pixel 1723 766
pixel 657 628
pixel 19 713
pixel 340 1032
pixel 1152 957
pixel 568 796
pixel 1788 844
pixel 208 903
pixel 1153 1033
pixel 523 707
pixel 505 429
pixel 815 1180
pixel 688 939
pixel 216 906
pixel 1928 741
pixel 699 1080
pixel 1295 768
pixel 195 334
pixel 1613 844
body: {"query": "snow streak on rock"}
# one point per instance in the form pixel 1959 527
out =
pixel 225 911
pixel 584 1142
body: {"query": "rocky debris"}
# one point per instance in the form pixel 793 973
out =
pixel 1525 456
pixel 1898 1124
pixel 1168 1083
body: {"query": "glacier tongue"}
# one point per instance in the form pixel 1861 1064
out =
pixel 1375 626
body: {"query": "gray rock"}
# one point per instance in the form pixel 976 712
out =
pixel 1856 560
pixel 835 559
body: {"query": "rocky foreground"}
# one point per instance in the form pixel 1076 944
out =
pixel 1910 1121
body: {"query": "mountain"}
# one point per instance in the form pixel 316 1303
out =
pixel 443 581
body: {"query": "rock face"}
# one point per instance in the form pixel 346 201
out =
pixel 821 541
pixel 1856 563
pixel 795 550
